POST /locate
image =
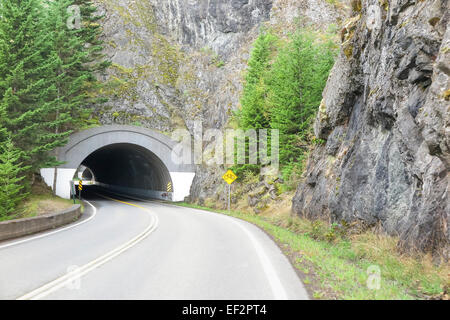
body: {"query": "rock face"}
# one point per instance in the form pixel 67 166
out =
pixel 175 62
pixel 385 117
pixel 212 23
pixel 180 61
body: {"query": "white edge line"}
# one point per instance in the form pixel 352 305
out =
pixel 52 232
pixel 271 274
pixel 58 283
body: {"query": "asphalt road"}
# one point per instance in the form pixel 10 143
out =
pixel 148 250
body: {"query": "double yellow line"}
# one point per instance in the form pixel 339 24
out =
pixel 70 277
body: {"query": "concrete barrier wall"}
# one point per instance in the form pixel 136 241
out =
pixel 22 227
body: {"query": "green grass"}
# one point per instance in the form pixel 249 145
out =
pixel 336 266
pixel 40 204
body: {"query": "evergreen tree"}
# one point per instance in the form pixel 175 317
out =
pixel 285 94
pixel 24 86
pixel 18 59
pixel 3 132
pixel 90 33
pixel 74 55
pixel 10 178
pixel 81 51
pixel 47 74
pixel 253 113
pixel 295 85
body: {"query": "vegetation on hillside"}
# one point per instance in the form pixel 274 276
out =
pixel 41 201
pixel 10 178
pixel 283 90
pixel 47 77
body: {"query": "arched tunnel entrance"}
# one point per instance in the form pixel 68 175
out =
pixel 128 166
pixel 87 174
pixel 127 159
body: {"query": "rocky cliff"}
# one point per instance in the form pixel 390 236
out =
pixel 180 61
pixel 165 72
pixel 384 119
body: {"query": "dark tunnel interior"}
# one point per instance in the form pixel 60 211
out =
pixel 128 165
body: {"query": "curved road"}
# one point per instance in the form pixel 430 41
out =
pixel 148 250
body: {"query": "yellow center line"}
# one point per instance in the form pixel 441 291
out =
pixel 62 281
pixel 124 202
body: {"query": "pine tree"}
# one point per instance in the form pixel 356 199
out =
pixel 3 132
pixel 90 33
pixel 79 54
pixel 73 55
pixel 96 61
pixel 47 74
pixel 253 113
pixel 285 94
pixel 10 178
pixel 24 87
pixel 295 86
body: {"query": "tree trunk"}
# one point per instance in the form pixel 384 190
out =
pixel 55 178
pixel 55 172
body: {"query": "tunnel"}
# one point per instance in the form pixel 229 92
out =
pixel 129 166
pixel 129 158
pixel 87 174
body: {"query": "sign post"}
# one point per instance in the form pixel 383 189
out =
pixel 80 188
pixel 229 197
pixel 72 191
pixel 229 178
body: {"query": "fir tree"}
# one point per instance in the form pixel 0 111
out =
pixel 74 57
pixel 10 178
pixel 24 87
pixel 253 113
pixel 295 85
pixel 47 74
pixel 90 32
pixel 285 94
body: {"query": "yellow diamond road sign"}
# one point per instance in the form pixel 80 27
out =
pixel 229 177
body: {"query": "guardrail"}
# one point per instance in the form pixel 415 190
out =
pixel 22 227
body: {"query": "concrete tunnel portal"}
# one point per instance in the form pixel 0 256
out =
pixel 125 159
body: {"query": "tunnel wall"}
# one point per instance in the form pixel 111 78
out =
pixel 63 183
pixel 139 193
pixel 179 179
